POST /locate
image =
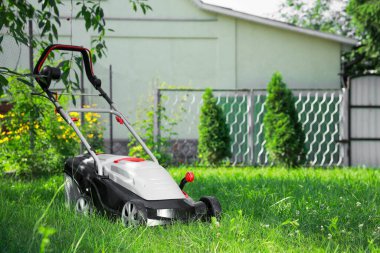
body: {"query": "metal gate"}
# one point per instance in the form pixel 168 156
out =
pixel 364 121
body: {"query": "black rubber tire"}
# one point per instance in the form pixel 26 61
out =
pixel 214 208
pixel 72 191
pixel 134 213
pixel 84 205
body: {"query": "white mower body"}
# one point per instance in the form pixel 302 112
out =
pixel 147 179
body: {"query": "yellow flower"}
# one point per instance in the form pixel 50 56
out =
pixel 4 140
pixel 88 116
pixel 74 114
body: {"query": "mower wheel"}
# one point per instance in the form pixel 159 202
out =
pixel 134 214
pixel 72 191
pixel 213 207
pixel 84 205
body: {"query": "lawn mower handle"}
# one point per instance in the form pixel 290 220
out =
pixel 44 77
pixel 87 61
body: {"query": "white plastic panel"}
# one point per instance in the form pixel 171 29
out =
pixel 365 123
pixel 147 179
pixel 365 90
pixel 365 153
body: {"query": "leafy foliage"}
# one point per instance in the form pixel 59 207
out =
pixel 284 135
pixel 14 16
pixel 214 139
pixel 366 19
pixel 53 140
pixel 353 18
pixel 321 15
pixel 145 127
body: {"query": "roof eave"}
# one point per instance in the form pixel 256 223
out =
pixel 274 23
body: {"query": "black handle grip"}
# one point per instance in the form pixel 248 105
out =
pixel 86 55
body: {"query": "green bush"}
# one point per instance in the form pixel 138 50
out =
pixel 283 132
pixel 145 128
pixel 35 140
pixel 214 139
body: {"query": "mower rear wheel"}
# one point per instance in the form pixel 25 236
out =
pixel 84 205
pixel 213 207
pixel 72 191
pixel 134 214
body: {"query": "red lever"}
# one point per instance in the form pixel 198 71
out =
pixel 129 159
pixel 189 177
pixel 120 120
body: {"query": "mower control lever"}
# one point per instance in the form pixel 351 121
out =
pixel 189 177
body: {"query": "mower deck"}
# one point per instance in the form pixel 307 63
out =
pixel 109 196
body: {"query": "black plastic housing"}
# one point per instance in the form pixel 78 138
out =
pixel 110 197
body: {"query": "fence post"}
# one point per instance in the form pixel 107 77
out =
pixel 32 119
pixel 250 126
pixel 157 118
pixel 349 148
pixel 111 119
pixel 82 101
pixel 343 128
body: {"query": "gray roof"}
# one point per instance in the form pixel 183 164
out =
pixel 274 23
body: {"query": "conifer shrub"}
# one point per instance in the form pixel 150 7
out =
pixel 284 134
pixel 214 139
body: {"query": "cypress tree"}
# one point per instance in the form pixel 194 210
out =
pixel 214 139
pixel 283 132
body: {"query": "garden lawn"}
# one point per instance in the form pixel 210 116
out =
pixel 265 209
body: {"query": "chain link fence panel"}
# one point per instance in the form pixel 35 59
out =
pixel 319 111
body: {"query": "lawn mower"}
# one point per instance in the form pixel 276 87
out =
pixel 139 191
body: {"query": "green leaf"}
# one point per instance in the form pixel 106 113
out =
pixel 55 32
pixel 3 81
pixel 30 84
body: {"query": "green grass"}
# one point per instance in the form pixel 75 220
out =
pixel 264 210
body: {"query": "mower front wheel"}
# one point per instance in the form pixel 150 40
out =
pixel 134 214
pixel 213 207
pixel 84 205
pixel 72 191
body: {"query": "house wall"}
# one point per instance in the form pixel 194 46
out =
pixel 184 46
pixel 306 62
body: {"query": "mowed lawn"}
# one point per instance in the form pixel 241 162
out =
pixel 265 209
